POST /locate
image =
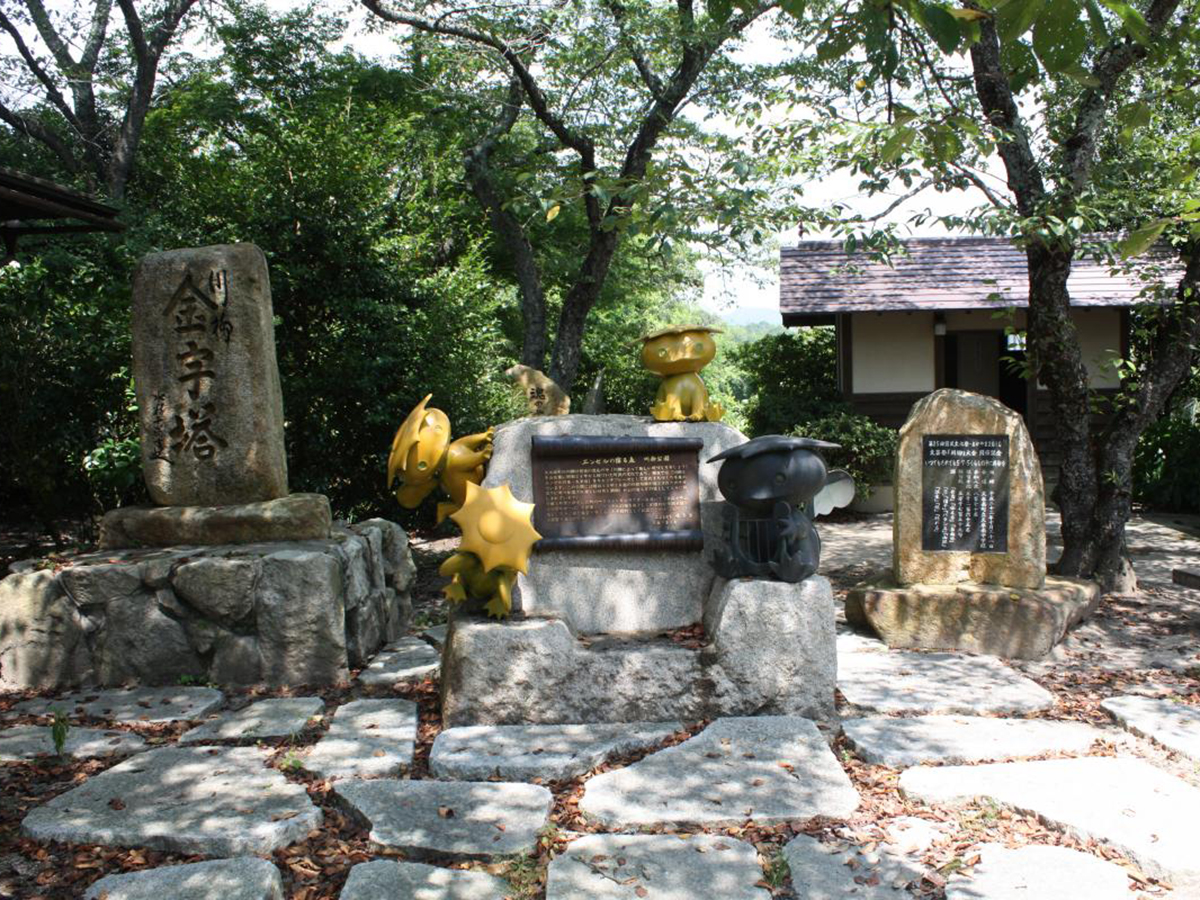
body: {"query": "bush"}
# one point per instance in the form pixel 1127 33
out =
pixel 1166 464
pixel 868 450
pixel 791 379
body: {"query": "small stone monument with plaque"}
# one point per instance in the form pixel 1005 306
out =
pixel 228 578
pixel 969 539
pixel 620 617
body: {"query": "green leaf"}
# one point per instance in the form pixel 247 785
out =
pixel 1016 17
pixel 719 10
pixel 1020 64
pixel 1097 18
pixel 902 115
pixel 1134 21
pixel 1142 239
pixel 834 46
pixel 1080 75
pixel 968 15
pixel 943 27
pixel 896 144
pixel 1058 39
pixel 794 8
pixel 1130 117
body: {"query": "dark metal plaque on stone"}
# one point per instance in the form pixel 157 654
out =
pixel 964 492
pixel 616 492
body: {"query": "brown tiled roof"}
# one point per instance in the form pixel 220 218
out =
pixel 817 278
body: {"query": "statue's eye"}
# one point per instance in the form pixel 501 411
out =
pixel 699 346
pixel 662 351
pixel 422 465
pixel 779 479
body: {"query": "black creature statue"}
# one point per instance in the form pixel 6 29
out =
pixel 774 486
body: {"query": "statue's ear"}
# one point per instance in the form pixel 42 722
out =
pixel 837 493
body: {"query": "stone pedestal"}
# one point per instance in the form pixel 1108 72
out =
pixel 282 613
pixel 607 591
pixel 771 650
pixel 298 517
pixel 1015 623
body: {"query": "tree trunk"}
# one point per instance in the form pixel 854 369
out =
pixel 572 322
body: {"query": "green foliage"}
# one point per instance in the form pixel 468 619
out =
pixel 1166 465
pixel 790 378
pixel 868 450
pixel 60 727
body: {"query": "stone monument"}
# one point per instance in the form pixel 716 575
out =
pixel 969 539
pixel 229 578
pixel 631 513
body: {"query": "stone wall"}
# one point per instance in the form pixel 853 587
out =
pixel 300 612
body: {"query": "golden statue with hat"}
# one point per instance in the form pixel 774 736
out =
pixel 678 353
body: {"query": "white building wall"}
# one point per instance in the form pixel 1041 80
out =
pixel 892 352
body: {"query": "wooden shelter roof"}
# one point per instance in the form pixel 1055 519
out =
pixel 819 278
pixel 26 203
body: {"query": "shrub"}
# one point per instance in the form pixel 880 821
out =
pixel 1166 464
pixel 868 450
pixel 791 378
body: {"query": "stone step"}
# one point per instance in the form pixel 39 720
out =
pixel 165 704
pixel 768 768
pixel 831 871
pixel 467 819
pixel 406 659
pixel 23 742
pixel 1038 871
pixel 243 878
pixel 272 718
pixel 898 743
pixel 909 682
pixel 212 801
pixel 1139 810
pixel 382 878
pixel 1169 723
pixel 656 867
pixel 367 738
pixel 526 752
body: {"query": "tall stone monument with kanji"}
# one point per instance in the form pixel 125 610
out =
pixel 207 381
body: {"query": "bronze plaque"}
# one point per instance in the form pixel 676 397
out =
pixel 616 492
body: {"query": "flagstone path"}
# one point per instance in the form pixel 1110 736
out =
pixel 937 762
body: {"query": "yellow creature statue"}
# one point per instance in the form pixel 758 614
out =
pixel 678 354
pixel 424 457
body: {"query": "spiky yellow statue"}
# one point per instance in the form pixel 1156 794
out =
pixel 424 456
pixel 497 537
pixel 678 354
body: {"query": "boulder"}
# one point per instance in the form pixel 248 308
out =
pixel 222 588
pixel 951 412
pixel 40 632
pixel 301 618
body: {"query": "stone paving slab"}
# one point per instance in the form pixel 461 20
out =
pixel 1143 812
pixel 888 741
pixel 436 635
pixel 1036 871
pixel 214 801
pixel 244 878
pixel 382 878
pixel 1174 725
pixel 272 718
pixel 769 768
pixel 165 704
pixel 905 681
pixel 525 752
pixel 406 659
pixel 367 738
pixel 656 867
pixel 831 871
pixel 470 819
pixel 23 742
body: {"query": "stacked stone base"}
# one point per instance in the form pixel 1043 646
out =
pixel 275 613
pixel 771 650
pixel 1015 623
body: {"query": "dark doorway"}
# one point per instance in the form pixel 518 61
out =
pixel 987 362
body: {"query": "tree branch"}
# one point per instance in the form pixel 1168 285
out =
pixel 652 81
pixel 52 92
pixel 40 132
pixel 52 39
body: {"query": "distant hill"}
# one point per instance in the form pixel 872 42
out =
pixel 752 316
pixel 741 333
